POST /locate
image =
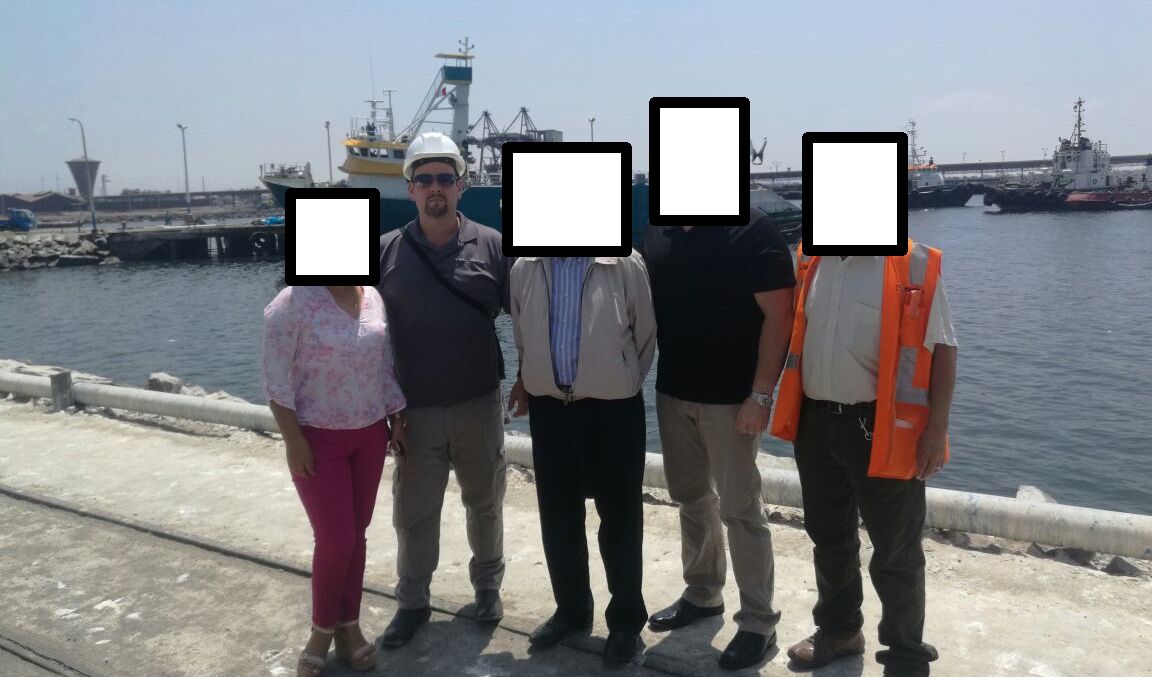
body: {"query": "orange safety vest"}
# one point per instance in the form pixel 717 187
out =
pixel 905 368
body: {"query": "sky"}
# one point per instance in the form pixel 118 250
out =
pixel 255 81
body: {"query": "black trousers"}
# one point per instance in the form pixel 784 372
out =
pixel 832 453
pixel 582 449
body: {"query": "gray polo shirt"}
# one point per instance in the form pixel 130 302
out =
pixel 446 351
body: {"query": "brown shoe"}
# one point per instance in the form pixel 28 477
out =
pixel 821 649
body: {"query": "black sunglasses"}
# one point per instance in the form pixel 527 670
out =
pixel 425 180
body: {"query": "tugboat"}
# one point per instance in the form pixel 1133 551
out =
pixel 1081 180
pixel 926 188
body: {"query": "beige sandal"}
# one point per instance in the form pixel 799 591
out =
pixel 361 660
pixel 310 665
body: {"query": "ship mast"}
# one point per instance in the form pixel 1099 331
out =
pixel 388 123
pixel 1077 137
pixel 913 149
pixel 1078 132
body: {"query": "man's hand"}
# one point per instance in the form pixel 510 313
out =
pixel 399 430
pixel 752 419
pixel 299 457
pixel 930 451
pixel 518 399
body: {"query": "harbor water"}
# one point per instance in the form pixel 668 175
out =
pixel 1053 313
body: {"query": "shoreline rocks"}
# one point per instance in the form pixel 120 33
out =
pixel 30 251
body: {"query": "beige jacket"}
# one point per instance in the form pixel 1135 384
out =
pixel 617 327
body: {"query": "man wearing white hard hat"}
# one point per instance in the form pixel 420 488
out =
pixel 444 279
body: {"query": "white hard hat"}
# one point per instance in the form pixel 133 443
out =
pixel 433 145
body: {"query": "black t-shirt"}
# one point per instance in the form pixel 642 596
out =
pixel 708 322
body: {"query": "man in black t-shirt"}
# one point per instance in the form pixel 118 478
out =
pixel 723 300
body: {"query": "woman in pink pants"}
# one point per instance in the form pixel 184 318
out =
pixel 330 381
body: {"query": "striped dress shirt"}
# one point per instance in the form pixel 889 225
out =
pixel 564 315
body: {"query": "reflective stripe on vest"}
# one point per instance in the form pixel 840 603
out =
pixel 905 367
pixel 905 390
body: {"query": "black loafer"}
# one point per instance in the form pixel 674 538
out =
pixel 554 631
pixel 746 649
pixel 403 626
pixel 489 608
pixel 620 648
pixel 682 613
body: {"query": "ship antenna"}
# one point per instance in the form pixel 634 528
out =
pixel 1079 131
pixel 912 147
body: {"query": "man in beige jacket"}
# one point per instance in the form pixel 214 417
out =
pixel 586 334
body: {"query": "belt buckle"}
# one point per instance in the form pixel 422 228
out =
pixel 835 408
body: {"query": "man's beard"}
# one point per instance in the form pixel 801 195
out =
pixel 437 211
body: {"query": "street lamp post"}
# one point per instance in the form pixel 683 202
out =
pixel 87 174
pixel 591 129
pixel 328 132
pixel 184 147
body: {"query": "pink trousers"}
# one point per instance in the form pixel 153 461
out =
pixel 339 499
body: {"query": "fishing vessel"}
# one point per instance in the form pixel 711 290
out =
pixel 1081 179
pixel 279 177
pixel 926 186
pixel 374 154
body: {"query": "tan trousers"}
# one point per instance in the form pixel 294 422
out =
pixel 468 438
pixel 712 473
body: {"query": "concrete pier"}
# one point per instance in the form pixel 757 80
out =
pixel 154 547
pixel 196 241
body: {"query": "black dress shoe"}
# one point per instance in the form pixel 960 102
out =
pixel 682 613
pixel 620 648
pixel 489 608
pixel 746 649
pixel 403 626
pixel 554 631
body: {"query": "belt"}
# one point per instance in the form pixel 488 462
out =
pixel 841 409
pixel 567 394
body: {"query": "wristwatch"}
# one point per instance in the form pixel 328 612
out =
pixel 763 399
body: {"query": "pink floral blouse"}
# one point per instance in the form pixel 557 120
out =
pixel 334 370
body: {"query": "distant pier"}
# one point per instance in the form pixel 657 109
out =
pixel 196 242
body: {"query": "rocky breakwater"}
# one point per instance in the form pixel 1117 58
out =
pixel 58 250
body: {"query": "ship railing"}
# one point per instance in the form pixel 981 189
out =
pixel 368 129
pixel 285 170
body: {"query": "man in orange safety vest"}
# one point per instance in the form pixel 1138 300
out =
pixel 865 396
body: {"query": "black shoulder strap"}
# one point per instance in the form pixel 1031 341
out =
pixel 440 278
pixel 458 294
